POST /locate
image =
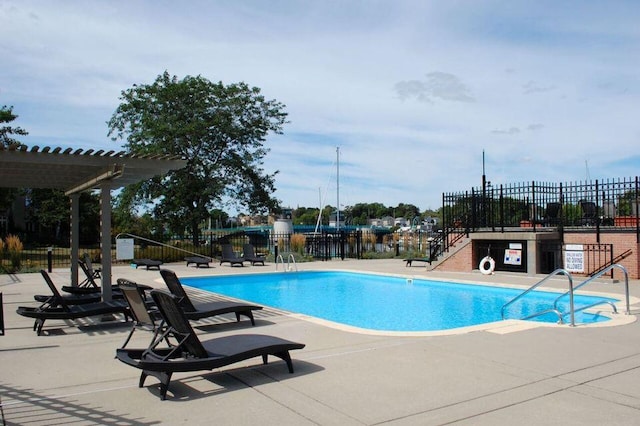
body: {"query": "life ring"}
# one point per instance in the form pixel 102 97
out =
pixel 483 263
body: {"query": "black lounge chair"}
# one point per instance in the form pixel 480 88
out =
pixel 249 254
pixel 188 353
pixel 86 286
pixel 589 213
pixel 147 263
pixel 89 285
pixel 552 214
pixel 144 315
pixel 208 309
pixel 95 272
pixel 417 259
pixel 52 300
pixel 229 256
pixel 198 261
pixel 65 311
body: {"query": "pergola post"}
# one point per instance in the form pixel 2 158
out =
pixel 75 236
pixel 105 238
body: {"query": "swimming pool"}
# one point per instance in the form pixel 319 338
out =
pixel 387 303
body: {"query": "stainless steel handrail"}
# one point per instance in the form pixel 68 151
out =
pixel 533 287
pixel 289 259
pixel 292 257
pixel 598 275
pixel 164 245
pixel 546 311
pixel 281 259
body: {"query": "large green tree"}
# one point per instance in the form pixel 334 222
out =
pixel 219 129
pixel 7 195
pixel 49 209
pixel 7 132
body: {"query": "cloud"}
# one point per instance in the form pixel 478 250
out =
pixel 534 87
pixel 438 85
pixel 535 126
pixel 509 131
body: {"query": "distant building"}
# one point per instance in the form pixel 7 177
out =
pixel 386 222
pixel 401 222
pixel 333 219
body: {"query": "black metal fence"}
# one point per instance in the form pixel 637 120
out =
pixel 536 205
pixel 324 245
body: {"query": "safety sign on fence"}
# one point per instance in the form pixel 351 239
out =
pixel 574 258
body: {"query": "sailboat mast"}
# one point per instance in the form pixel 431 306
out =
pixel 338 187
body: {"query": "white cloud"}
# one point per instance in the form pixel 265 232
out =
pixel 509 131
pixel 438 85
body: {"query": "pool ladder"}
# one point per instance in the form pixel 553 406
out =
pixel 291 259
pixel 571 292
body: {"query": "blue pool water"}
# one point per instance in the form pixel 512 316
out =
pixel 379 302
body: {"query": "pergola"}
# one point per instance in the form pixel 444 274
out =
pixel 75 171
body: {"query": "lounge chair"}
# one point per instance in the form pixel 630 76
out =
pixel 229 256
pixel 86 286
pixel 589 213
pixel 65 311
pixel 198 261
pixel 89 285
pixel 95 272
pixel 249 254
pixel 208 309
pixel 52 300
pixel 188 353
pixel 417 259
pixel 552 214
pixel 143 315
pixel 147 263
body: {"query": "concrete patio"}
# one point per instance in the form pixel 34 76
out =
pixel 509 374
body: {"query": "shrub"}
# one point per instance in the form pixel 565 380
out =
pixel 298 242
pixel 369 241
pixel 14 248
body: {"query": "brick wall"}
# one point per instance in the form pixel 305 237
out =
pixel 621 241
pixel 462 260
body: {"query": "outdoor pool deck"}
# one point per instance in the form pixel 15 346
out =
pixel 505 375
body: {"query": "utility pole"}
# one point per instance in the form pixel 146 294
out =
pixel 484 193
pixel 338 188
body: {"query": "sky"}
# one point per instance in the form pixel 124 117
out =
pixel 409 93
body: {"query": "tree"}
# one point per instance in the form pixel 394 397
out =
pixel 219 218
pixel 6 132
pixel 49 210
pixel 408 211
pixel 7 195
pixel 219 129
pixel 306 216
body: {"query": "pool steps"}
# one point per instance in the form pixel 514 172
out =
pixel 571 292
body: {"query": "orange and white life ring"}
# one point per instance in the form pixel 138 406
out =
pixel 487 265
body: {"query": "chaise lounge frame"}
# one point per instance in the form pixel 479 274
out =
pixel 188 353
pixel 208 309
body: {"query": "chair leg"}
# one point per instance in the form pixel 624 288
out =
pixel 164 377
pixel 247 314
pixel 164 385
pixel 38 326
pixel 143 376
pixel 286 357
pixel 129 336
